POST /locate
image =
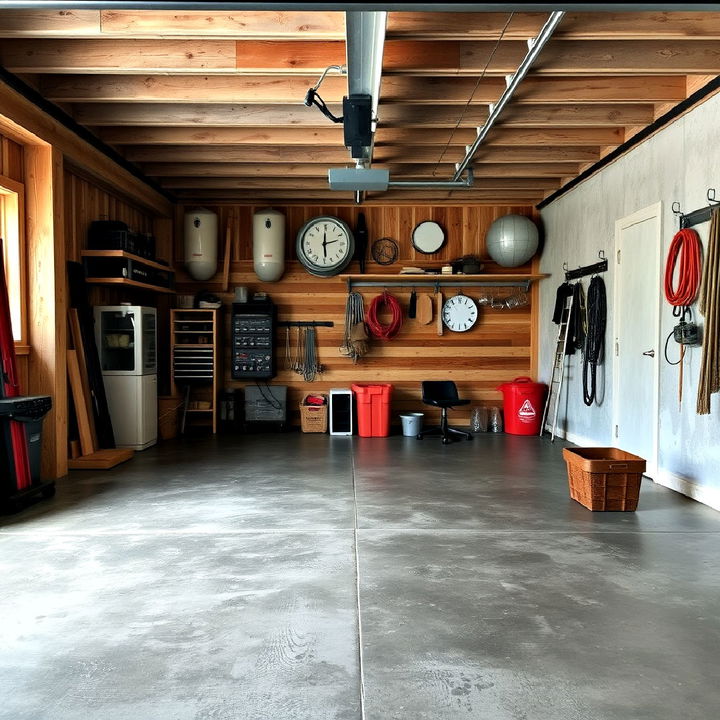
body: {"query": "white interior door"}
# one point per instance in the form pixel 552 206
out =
pixel 637 329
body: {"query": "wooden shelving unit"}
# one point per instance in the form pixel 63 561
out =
pixel 430 280
pixel 195 361
pixel 133 260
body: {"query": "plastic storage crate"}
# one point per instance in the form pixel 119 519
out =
pixel 604 478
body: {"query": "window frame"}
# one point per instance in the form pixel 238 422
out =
pixel 12 200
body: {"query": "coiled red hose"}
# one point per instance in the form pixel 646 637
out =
pixel 686 246
pixel 376 328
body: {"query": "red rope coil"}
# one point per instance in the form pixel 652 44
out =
pixel 686 246
pixel 376 328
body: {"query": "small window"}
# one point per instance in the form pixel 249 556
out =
pixel 11 232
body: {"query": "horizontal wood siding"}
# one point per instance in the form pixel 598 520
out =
pixel 497 349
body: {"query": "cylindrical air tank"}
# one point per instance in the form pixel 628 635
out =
pixel 201 243
pixel 269 244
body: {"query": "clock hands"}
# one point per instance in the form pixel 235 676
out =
pixel 324 244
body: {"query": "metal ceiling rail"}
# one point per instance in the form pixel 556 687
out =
pixel 514 80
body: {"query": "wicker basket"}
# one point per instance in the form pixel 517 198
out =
pixel 314 418
pixel 604 478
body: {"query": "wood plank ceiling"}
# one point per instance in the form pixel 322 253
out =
pixel 209 104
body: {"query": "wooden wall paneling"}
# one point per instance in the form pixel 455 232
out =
pixel 500 348
pixel 11 159
pixel 47 324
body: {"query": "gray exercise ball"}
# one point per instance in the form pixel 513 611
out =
pixel 512 240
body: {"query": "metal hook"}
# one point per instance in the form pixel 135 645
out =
pixel 711 197
pixel 601 254
pixel 676 208
pixel 565 267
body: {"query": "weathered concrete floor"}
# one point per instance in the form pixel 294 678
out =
pixel 265 577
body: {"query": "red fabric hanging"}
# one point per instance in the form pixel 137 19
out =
pixel 11 383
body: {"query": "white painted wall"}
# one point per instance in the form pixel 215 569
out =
pixel 679 163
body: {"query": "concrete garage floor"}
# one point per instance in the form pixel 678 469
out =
pixel 303 576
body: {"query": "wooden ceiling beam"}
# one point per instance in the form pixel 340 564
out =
pixel 297 170
pixel 333 199
pixel 330 25
pixel 195 114
pixel 49 23
pixel 338 155
pixel 212 156
pixel 289 182
pixel 395 89
pixel 560 57
pixel 333 135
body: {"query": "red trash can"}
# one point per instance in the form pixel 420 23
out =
pixel 523 402
pixel 373 409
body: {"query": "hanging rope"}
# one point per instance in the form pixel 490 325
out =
pixel 355 338
pixel 595 337
pixel 710 307
pixel 376 328
pixel 685 246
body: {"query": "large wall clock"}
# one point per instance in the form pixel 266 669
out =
pixel 459 313
pixel 325 246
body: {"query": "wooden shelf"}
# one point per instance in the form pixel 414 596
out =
pixel 208 366
pixel 432 277
pixel 131 283
pixel 122 255
pixel 426 280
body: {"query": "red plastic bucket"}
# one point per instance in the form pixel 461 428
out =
pixel 373 409
pixel 523 402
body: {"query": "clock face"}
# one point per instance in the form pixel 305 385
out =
pixel 325 246
pixel 459 313
pixel 428 237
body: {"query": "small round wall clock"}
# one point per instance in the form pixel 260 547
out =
pixel 459 313
pixel 428 237
pixel 325 246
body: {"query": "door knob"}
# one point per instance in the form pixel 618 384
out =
pixel 649 353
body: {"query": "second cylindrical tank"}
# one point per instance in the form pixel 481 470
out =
pixel 269 244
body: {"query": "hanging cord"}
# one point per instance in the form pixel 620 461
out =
pixel 355 339
pixel 296 359
pixel 686 246
pixel 472 94
pixel 595 338
pixel 311 367
pixel 288 358
pixel 376 328
pixel 709 306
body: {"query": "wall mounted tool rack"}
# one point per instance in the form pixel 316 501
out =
pixel 586 270
pixel 438 281
pixel 306 323
pixel 696 217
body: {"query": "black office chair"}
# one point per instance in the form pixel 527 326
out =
pixel 442 394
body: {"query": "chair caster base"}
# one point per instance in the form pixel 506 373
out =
pixel 446 441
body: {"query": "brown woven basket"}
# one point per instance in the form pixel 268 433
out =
pixel 314 418
pixel 604 478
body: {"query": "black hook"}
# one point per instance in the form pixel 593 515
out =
pixel 565 267
pixel 676 208
pixel 601 254
pixel 711 197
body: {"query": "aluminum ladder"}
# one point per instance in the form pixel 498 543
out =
pixel 558 371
